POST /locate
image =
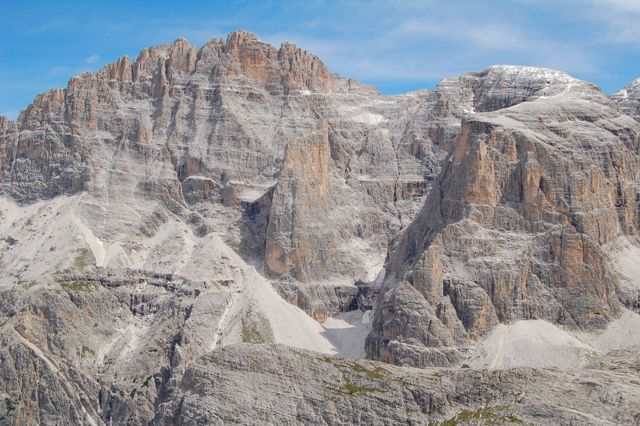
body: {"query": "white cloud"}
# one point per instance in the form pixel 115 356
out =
pixel 420 41
pixel 93 59
pixel 612 21
pixel 624 6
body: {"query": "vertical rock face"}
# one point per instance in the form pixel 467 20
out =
pixel 302 70
pixel 515 225
pixel 297 242
pixel 628 99
pixel 167 94
pixel 189 126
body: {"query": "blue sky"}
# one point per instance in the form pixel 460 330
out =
pixel 395 46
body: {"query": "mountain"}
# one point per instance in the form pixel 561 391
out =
pixel 541 185
pixel 627 99
pixel 214 234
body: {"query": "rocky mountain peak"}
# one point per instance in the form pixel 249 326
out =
pixel 242 38
pixel 541 155
pixel 292 67
pixel 147 61
pixel 121 70
pixel 628 98
pixel 503 86
pixel 182 58
pixel 302 70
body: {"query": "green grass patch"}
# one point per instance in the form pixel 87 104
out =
pixel 328 359
pixel 84 259
pixel 351 388
pixel 512 418
pixel 250 333
pixel 79 286
pixel 254 327
pixel 377 373
pixel 485 414
pixel 85 352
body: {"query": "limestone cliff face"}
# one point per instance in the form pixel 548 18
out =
pixel 296 242
pixel 153 105
pixel 289 69
pixel 515 224
pixel 4 127
pixel 628 99
pixel 196 128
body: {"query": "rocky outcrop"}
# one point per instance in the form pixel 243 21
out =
pixel 408 330
pixel 288 70
pixel 322 300
pixel 514 226
pixel 287 386
pixel 296 243
pixel 628 99
pixel 99 348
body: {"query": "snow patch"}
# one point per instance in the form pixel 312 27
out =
pixel 253 192
pixel 250 195
pixel 199 177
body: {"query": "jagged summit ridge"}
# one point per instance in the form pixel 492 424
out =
pixel 503 86
pixel 628 98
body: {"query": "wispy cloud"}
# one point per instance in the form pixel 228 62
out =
pixel 624 6
pixel 415 41
pixel 611 21
pixel 52 25
pixel 91 60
